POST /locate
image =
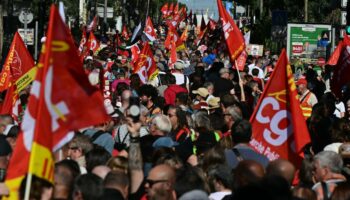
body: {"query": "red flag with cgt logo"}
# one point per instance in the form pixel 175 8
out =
pixel 279 128
pixel 57 106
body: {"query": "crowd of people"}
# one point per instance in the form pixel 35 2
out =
pixel 185 134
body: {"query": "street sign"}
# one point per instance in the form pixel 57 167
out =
pixel 27 35
pixel 344 3
pixel 343 18
pixel 25 17
pixel 100 12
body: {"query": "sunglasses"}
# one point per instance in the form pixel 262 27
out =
pixel 152 182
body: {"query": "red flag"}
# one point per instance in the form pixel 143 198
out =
pixel 18 62
pixel 279 127
pixel 145 66
pixel 184 34
pixel 176 9
pixel 233 36
pixel 57 106
pixel 241 60
pixel 82 41
pixel 200 37
pixel 340 58
pixel 171 9
pixel 93 44
pixel 212 24
pixel 92 26
pixel 173 55
pixel 125 33
pixel 149 30
pixel 135 52
pixel 165 10
pixel 172 36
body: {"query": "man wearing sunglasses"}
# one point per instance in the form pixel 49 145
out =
pixel 160 183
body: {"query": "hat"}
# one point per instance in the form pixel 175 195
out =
pixel 5 148
pixel 224 70
pixel 179 64
pixel 164 142
pixel 301 81
pixel 214 102
pixel 203 92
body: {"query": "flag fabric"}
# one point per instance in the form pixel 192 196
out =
pixel 165 10
pixel 176 9
pixel 17 63
pixel 184 34
pixel 200 36
pixel 136 32
pixel 279 127
pixel 203 24
pixel 172 36
pixel 340 59
pixel 241 60
pixel 125 33
pixel 92 26
pixel 233 36
pixel 171 9
pixel 82 41
pixel 57 105
pixel 189 17
pixel 145 66
pixel 173 55
pixel 135 53
pixel 149 30
pixel 212 24
pixel 195 23
pixel 93 44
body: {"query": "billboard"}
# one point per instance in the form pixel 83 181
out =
pixel 308 42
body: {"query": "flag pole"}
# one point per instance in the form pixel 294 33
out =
pixel 28 185
pixel 239 75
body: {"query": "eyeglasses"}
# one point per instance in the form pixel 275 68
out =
pixel 152 182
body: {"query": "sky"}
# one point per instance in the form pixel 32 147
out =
pixel 199 6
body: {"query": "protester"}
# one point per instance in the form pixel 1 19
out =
pixel 169 118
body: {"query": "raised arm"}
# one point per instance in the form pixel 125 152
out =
pixel 135 156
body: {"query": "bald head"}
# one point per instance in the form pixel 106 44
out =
pixel 101 171
pixel 126 94
pixel 283 168
pixel 163 172
pixel 248 171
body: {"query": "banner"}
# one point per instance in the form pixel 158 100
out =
pixel 279 127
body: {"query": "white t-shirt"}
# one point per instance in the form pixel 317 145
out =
pixel 339 108
pixel 218 195
pixel 261 72
pixel 180 79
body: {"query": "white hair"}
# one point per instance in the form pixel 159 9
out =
pixel 162 123
pixel 331 160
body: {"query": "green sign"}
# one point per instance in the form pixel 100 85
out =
pixel 308 42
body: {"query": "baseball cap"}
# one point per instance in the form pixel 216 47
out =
pixel 203 92
pixel 164 142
